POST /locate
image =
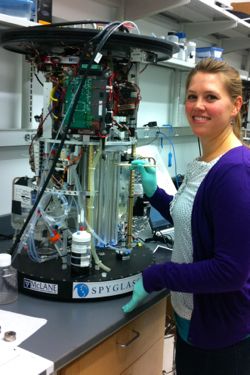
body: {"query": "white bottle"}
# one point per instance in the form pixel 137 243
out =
pixel 8 280
pixel 191 52
pixel 172 37
pixel 80 251
pixel 182 45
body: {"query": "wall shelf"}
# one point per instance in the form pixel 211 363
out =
pixel 11 21
pixel 198 18
pixel 177 64
pixel 16 137
pixel 145 133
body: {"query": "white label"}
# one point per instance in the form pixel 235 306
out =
pixel 100 107
pixel 23 195
pixel 39 286
pixel 102 289
pixel 98 57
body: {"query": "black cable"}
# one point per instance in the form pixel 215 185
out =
pixel 143 69
pixel 38 79
pixel 64 135
pixel 81 22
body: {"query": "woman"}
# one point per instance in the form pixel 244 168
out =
pixel 209 274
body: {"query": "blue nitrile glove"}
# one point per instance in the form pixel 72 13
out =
pixel 139 293
pixel 148 176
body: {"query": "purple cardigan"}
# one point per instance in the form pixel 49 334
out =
pixel 219 276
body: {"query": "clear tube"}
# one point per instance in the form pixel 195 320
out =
pixel 28 235
pixel 54 220
pixel 83 220
pixel 32 250
pixel 80 205
pixel 58 244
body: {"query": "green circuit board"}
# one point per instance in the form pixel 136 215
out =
pixel 83 116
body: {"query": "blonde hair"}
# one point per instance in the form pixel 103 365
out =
pixel 232 82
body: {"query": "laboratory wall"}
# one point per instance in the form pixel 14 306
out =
pixel 82 10
pixel 10 90
pixel 13 163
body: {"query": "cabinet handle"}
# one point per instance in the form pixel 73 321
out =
pixel 126 344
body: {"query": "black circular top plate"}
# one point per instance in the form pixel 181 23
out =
pixel 47 40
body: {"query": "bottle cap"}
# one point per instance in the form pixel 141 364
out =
pixel 181 35
pixel 5 260
pixel 81 236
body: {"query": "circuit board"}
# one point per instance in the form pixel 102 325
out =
pixel 89 112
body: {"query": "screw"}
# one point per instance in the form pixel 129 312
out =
pixel 27 137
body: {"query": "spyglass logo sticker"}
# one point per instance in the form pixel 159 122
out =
pixel 40 287
pixel 104 288
pixel 81 289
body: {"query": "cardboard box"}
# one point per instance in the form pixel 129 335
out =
pixel 242 7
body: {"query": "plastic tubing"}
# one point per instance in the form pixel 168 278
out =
pixel 80 200
pixel 91 230
pixel 80 208
pixel 29 231
pixel 74 202
pixel 92 162
pixel 59 244
pixel 33 254
pixel 28 235
pixel 28 239
pixel 97 260
pixel 53 220
pixel 173 148
pixel 124 23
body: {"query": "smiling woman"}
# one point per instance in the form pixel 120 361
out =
pixel 213 103
pixel 209 272
pixel 213 106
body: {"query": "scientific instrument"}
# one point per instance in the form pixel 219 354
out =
pixel 74 219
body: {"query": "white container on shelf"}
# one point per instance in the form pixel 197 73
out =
pixel 214 52
pixel 190 51
pixel 16 8
pixel 172 37
pixel 182 44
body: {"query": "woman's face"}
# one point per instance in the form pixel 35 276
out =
pixel 209 108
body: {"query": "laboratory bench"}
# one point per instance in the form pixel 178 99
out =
pixel 92 338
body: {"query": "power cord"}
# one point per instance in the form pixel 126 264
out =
pixel 166 239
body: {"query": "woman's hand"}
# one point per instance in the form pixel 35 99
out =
pixel 139 293
pixel 148 176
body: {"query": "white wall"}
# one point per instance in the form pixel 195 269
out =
pixel 185 149
pixel 10 90
pixel 155 83
pixel 81 10
pixel 13 163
